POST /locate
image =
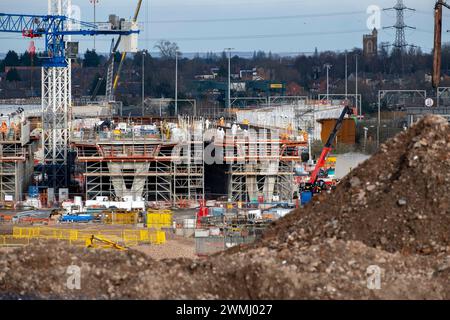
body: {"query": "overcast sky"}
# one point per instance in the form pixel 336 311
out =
pixel 246 25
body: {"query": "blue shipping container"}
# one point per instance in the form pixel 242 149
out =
pixel 76 218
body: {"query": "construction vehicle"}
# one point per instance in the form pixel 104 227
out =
pixel 315 184
pixel 101 242
pixel 437 52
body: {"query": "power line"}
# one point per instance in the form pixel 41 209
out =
pixel 263 36
pixel 255 36
pixel 284 17
pixel 430 13
pixel 233 3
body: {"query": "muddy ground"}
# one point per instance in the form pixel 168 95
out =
pixel 391 214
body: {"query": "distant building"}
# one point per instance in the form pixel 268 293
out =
pixel 235 76
pixel 204 77
pixel 214 72
pixel 247 75
pixel 293 89
pixel 370 44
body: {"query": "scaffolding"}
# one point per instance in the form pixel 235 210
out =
pixel 261 167
pixel 16 162
pixel 189 168
pixel 162 171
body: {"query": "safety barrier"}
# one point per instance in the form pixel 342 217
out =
pixel 11 241
pixel 120 218
pixel 79 236
pixel 157 237
pixel 158 219
pixel 205 246
pixel 125 218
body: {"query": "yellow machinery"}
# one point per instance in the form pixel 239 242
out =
pixel 100 242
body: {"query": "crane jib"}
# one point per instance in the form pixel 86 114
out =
pixel 54 28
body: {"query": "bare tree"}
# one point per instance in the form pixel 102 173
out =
pixel 167 49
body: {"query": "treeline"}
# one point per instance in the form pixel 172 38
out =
pixel 306 71
pixel 301 69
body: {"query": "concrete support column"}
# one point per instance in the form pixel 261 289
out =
pixel 250 182
pixel 118 180
pixel 137 189
pixel 269 182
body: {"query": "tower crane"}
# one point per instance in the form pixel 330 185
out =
pixel 109 71
pixel 56 28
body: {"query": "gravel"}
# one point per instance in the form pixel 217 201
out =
pixel 388 221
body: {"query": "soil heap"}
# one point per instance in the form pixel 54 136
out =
pixel 398 200
pixel 391 212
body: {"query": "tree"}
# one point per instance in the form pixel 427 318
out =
pixel 13 75
pixel 137 59
pixel 167 49
pixel 11 59
pixel 25 59
pixel 91 59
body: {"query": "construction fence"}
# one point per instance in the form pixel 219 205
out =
pixel 119 218
pixel 205 246
pixel 79 236
pixel 11 241
pixel 157 219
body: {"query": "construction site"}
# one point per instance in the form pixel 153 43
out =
pixel 241 202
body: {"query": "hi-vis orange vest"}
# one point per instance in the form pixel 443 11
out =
pixel 4 127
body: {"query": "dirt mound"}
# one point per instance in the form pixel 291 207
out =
pixel 398 200
pixel 333 269
pixel 392 212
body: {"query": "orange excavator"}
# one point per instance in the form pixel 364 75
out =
pixel 437 52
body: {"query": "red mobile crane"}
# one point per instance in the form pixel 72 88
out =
pixel 313 183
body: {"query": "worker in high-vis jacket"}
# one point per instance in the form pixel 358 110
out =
pixel 4 129
pixel 16 129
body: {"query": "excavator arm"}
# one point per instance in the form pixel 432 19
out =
pixel 96 241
